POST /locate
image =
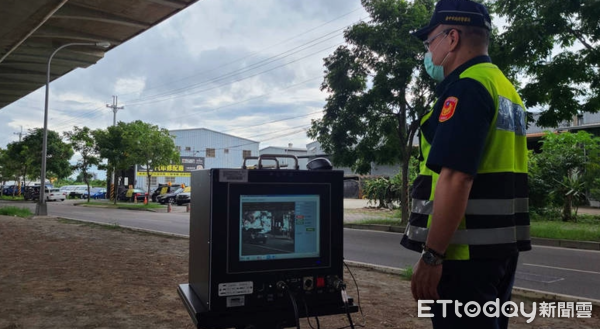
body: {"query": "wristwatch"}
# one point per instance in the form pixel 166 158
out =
pixel 431 257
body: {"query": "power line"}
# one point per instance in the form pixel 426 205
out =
pixel 238 80
pixel 273 59
pixel 144 101
pixel 249 55
pixel 246 100
pixel 91 115
pixel 274 121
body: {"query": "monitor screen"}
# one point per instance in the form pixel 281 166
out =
pixel 277 227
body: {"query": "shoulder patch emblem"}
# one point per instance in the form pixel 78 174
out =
pixel 448 108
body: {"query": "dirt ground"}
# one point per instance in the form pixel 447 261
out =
pixel 59 274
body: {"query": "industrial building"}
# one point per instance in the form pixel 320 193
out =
pixel 199 148
pixel 284 163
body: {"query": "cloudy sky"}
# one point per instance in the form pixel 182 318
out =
pixel 248 68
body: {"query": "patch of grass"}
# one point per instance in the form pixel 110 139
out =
pixel 371 212
pixel 11 198
pixel 566 231
pixel 378 221
pixel 407 273
pixel 15 211
pixel 588 219
pixel 581 231
pixel 124 205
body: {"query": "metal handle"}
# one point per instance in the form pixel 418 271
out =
pixel 258 158
pixel 274 156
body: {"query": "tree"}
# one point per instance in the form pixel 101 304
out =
pixel 57 156
pixel 17 163
pixel 567 166
pixel 114 145
pixel 552 43
pixel 378 88
pixel 84 143
pixel 151 146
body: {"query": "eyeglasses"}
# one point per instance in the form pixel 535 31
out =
pixel 427 42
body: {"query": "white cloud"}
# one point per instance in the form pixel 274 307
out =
pixel 219 64
pixel 130 85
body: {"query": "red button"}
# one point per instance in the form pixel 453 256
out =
pixel 320 282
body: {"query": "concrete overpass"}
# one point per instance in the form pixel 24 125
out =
pixel 30 30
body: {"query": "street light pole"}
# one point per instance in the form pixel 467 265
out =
pixel 41 208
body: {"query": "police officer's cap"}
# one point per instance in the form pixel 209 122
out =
pixel 456 12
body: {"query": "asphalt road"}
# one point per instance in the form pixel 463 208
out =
pixel 557 270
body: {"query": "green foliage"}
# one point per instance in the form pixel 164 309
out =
pixel 23 159
pixel 567 167
pixel 64 182
pixel 58 154
pixel 15 211
pixel 562 83
pixel 83 142
pixel 407 273
pixel 366 117
pixel 151 146
pixel 12 197
pixel 382 190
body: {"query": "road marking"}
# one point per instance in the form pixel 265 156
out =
pixel 537 278
pixel 535 246
pixel 563 268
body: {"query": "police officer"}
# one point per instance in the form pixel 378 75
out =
pixel 469 214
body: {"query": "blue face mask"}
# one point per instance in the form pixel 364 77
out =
pixel 434 71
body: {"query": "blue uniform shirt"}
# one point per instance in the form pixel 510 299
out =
pixel 460 122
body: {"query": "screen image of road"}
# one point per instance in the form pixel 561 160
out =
pixel 278 227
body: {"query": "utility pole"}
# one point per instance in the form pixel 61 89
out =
pixel 19 182
pixel 115 109
pixel 20 134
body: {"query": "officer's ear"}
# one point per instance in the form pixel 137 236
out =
pixel 455 37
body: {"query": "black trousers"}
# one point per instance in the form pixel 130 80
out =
pixel 479 281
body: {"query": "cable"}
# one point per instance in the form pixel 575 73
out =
pixel 308 316
pixel 283 286
pixel 345 299
pixel 364 322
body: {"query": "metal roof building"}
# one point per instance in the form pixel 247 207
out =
pixel 200 148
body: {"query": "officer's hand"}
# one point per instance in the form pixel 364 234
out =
pixel 425 281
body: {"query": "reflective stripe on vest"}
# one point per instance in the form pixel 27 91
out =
pixel 479 206
pixel 488 236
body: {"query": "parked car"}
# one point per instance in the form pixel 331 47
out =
pixel 10 189
pixel 164 189
pixel 169 197
pixel 253 236
pixel 54 194
pixel 77 192
pixel 136 193
pixel 31 193
pixel 95 193
pixel 184 197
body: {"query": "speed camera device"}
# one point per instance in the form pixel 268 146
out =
pixel 266 246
